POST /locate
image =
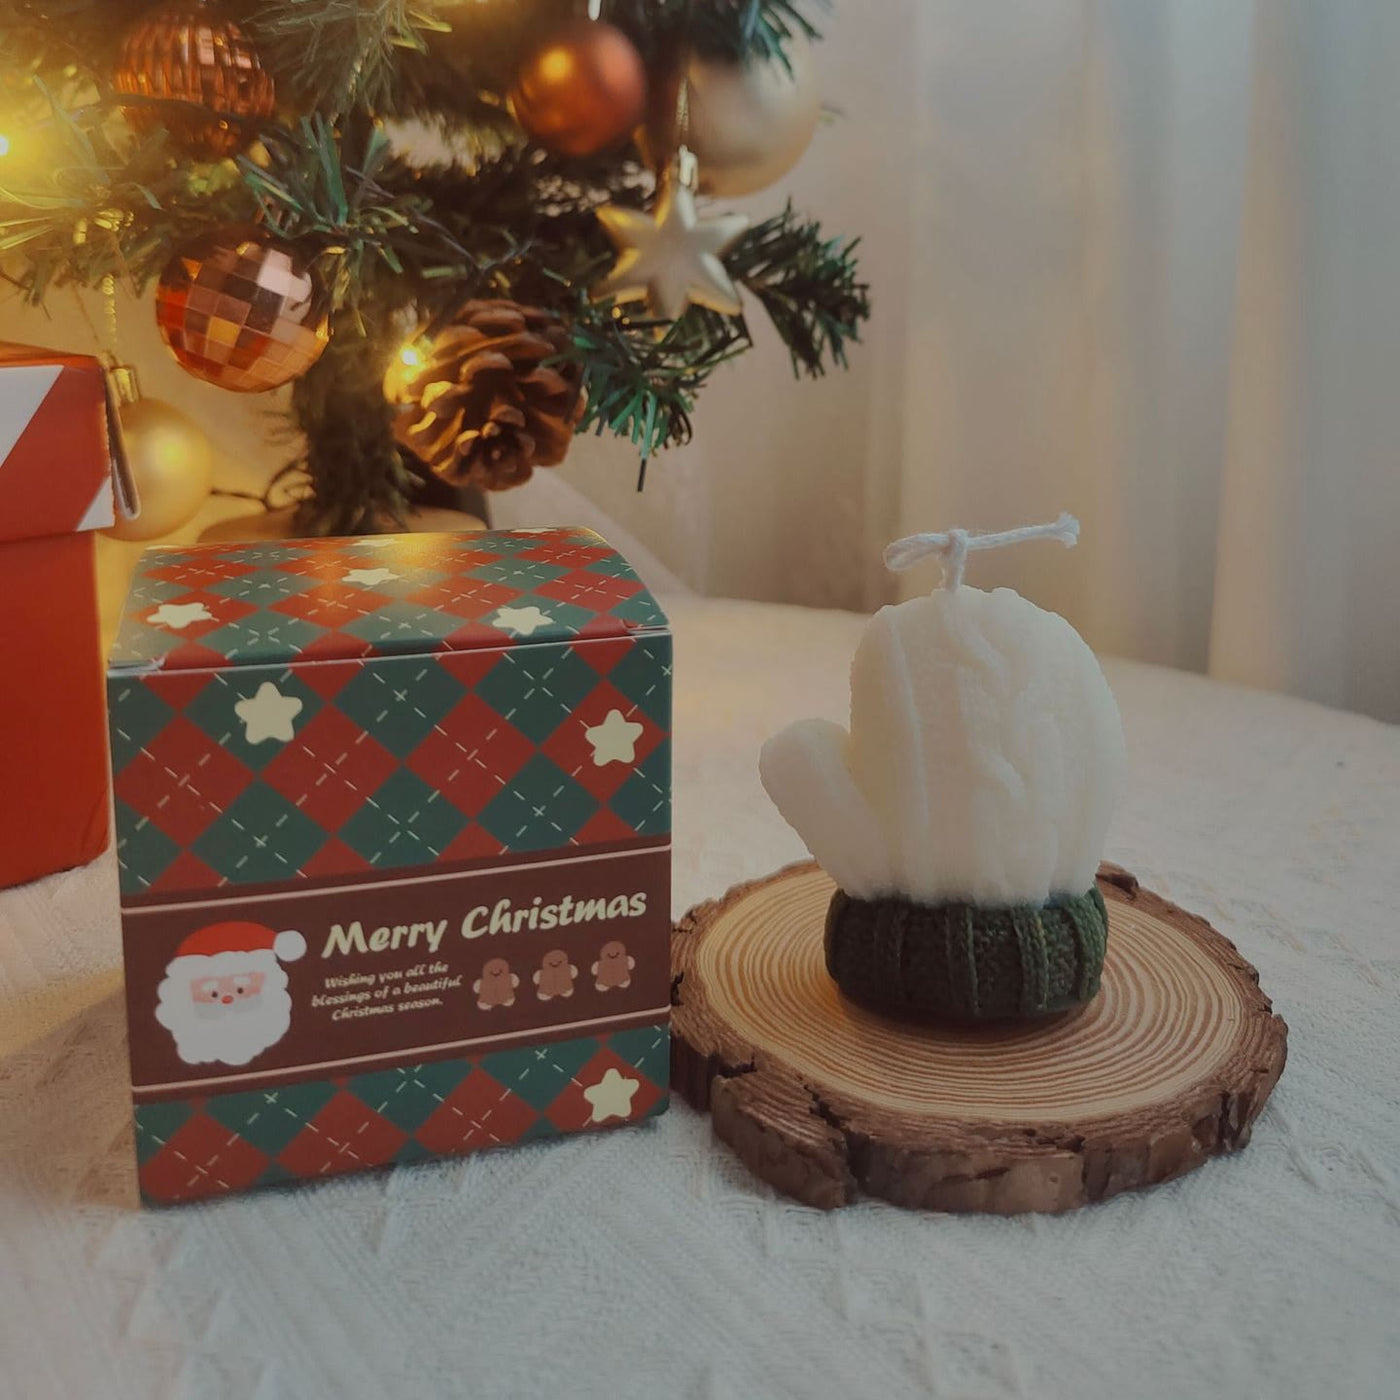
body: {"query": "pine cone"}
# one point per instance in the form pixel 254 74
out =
pixel 483 411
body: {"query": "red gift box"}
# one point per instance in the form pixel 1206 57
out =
pixel 60 479
pixel 393 836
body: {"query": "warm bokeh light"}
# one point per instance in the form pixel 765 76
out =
pixel 557 65
pixel 4 144
pixel 411 357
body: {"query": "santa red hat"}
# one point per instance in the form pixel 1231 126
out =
pixel 209 942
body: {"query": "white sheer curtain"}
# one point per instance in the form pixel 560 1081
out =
pixel 1136 258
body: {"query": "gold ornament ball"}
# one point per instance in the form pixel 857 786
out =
pixel 171 465
pixel 242 310
pixel 749 123
pixel 188 54
pixel 582 90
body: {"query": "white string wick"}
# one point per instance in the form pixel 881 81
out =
pixel 951 546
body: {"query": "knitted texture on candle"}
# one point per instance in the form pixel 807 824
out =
pixel 967 962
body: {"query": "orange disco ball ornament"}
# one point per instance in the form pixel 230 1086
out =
pixel 187 53
pixel 582 90
pixel 239 308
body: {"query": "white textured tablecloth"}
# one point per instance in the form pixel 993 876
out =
pixel 646 1262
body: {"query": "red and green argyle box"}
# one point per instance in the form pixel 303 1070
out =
pixel 390 811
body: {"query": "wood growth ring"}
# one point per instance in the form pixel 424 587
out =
pixel 1168 1065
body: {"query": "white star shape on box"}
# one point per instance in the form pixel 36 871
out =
pixel 615 740
pixel 177 616
pixel 268 714
pixel 611 1097
pixel 368 578
pixel 670 257
pixel 524 621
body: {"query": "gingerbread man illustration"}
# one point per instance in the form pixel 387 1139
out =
pixel 555 977
pixel 496 985
pixel 613 968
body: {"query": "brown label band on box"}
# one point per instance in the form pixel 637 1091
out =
pixel 406 969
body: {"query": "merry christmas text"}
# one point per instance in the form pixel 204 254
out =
pixel 482 921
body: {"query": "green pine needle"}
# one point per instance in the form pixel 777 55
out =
pixel 84 197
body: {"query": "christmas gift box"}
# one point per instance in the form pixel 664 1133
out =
pixel 60 479
pixel 393 827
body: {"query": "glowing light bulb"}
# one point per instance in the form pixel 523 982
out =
pixel 411 357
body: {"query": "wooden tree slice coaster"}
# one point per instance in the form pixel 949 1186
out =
pixel 1170 1064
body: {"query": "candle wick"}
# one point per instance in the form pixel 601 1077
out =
pixel 955 560
pixel 951 547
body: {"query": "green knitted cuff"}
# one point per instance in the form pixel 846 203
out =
pixel 967 962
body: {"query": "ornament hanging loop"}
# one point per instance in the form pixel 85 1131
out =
pixel 951 547
pixel 122 380
pixel 686 169
pixel 682 166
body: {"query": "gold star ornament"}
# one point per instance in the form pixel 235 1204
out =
pixel 670 257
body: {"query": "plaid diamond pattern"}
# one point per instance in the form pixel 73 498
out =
pixel 202 1157
pixel 400 705
pixel 135 715
pixel 538 688
pixel 213 707
pixel 472 755
pixel 144 851
pixel 392 762
pixel 580 1105
pixel 406 822
pixel 259 636
pixel 573 750
pixel 472 664
pixel 542 807
pixel 643 802
pixel 259 838
pixel 345 1135
pixel 328 607
pixel 330 769
pixel 271 1118
pixel 203 1147
pixel 276 603
pixel 262 588
pixel 479 1112
pixel 181 780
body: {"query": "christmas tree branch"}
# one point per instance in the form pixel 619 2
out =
pixel 733 29
pixel 401 246
pixel 55 38
pixel 807 283
pixel 81 208
pixel 641 377
pixel 358 479
pixel 331 55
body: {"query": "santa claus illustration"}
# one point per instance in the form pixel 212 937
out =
pixel 224 997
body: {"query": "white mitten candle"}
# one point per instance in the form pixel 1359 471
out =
pixel 983 760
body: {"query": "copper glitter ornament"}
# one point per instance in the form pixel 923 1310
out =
pixel 582 90
pixel 241 309
pixel 190 54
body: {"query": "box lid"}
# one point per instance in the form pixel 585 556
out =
pixel 224 605
pixel 61 465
